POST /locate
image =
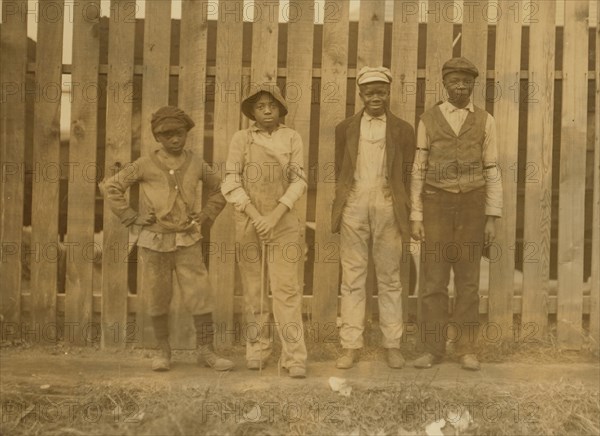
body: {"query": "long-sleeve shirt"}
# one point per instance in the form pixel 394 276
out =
pixel 284 144
pixel 491 171
pixel 170 194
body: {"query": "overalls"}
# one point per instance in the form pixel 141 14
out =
pixel 369 213
pixel 264 179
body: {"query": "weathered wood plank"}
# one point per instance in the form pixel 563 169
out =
pixel 46 155
pixel 595 291
pixel 13 40
pixel 227 122
pixel 405 43
pixel 439 48
pixel 82 180
pixel 506 112
pixel 334 69
pixel 371 25
pixel 155 93
pixel 571 205
pixel 298 92
pixel 538 169
pixel 474 44
pixel 118 152
pixel 265 30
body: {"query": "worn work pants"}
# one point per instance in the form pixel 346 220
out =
pixel 454 226
pixel 369 215
pixel 282 256
pixel 192 276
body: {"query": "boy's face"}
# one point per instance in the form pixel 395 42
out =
pixel 266 111
pixel 460 87
pixel 375 97
pixel 173 140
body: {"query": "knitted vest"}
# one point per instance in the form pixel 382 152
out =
pixel 455 161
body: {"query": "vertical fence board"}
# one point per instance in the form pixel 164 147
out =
pixel 538 186
pixel 474 44
pixel 334 70
pixel 595 291
pixel 439 48
pixel 506 112
pixel 227 122
pixel 13 40
pixel 405 44
pixel 118 152
pixel 82 180
pixel 192 69
pixel 46 155
pixel 571 205
pixel 299 93
pixel 265 30
pixel 371 25
pixel 192 83
pixel 155 93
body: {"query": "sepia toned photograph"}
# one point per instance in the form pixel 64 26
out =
pixel 300 217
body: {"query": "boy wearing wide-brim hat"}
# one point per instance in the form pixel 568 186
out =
pixel 170 217
pixel 373 158
pixel 264 179
pixel 456 195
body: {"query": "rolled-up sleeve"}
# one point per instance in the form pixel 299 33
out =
pixel 419 169
pixel 295 173
pixel 491 170
pixel 113 189
pixel 232 187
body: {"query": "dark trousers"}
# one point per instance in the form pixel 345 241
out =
pixel 454 226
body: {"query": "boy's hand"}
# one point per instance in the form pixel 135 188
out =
pixel 489 233
pixel 417 230
pixel 265 224
pixel 194 216
pixel 145 220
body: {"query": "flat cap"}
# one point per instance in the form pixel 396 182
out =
pixel 373 74
pixel 460 64
pixel 170 117
pixel 254 90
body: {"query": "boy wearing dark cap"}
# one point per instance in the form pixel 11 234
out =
pixel 373 157
pixel 264 179
pixel 456 196
pixel 171 217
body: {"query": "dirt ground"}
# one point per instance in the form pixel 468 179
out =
pixel 60 390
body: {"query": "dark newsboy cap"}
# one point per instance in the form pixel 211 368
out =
pixel 459 65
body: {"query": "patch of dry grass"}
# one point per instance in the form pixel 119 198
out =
pixel 304 408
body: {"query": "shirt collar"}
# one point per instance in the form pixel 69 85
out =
pixel 451 108
pixel 255 128
pixel 368 117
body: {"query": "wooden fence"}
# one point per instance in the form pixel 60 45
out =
pixel 548 153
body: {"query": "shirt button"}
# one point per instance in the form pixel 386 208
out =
pixel 171 171
pixel 176 187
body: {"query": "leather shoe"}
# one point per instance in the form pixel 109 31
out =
pixel 256 364
pixel 427 360
pixel 470 362
pixel 346 360
pixel 297 372
pixel 394 358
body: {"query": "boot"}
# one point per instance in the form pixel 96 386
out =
pixel 204 339
pixel 162 362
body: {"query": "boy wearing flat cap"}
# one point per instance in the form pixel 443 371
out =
pixel 170 217
pixel 456 196
pixel 374 150
pixel 264 179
